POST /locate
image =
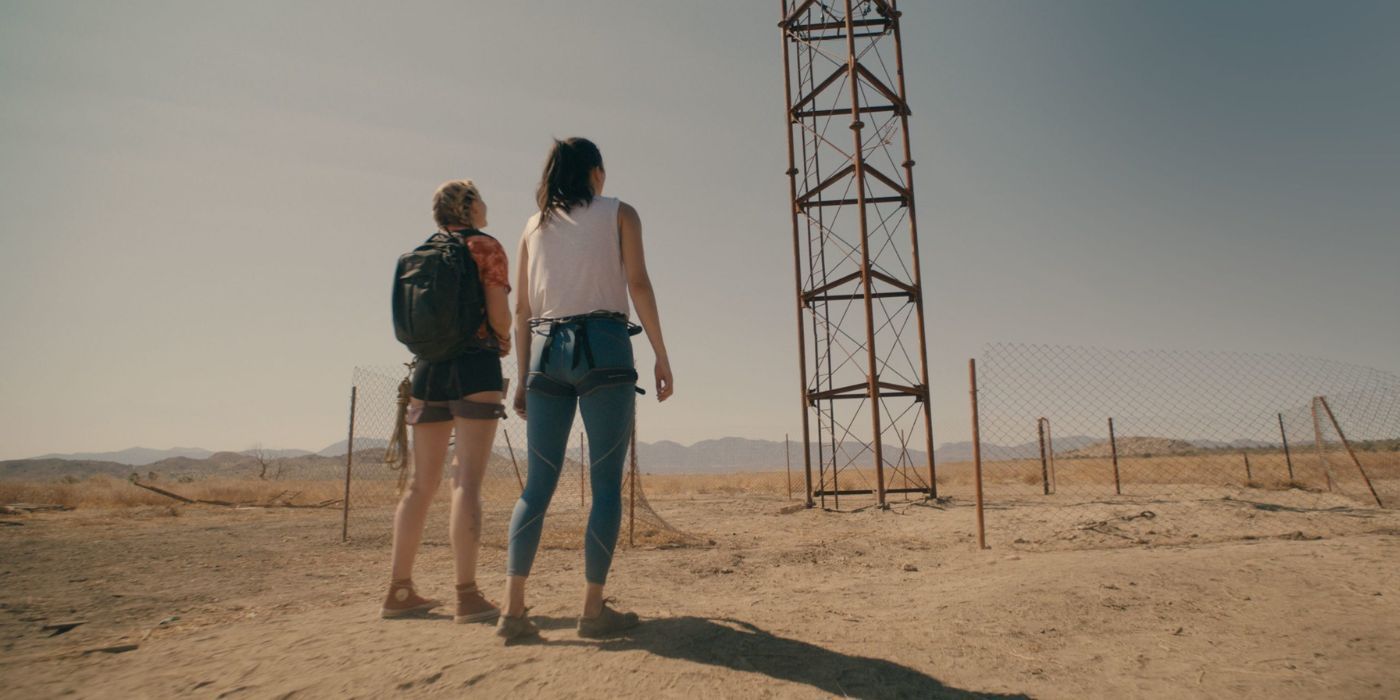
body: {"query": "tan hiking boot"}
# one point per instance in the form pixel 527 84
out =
pixel 403 600
pixel 609 622
pixel 516 629
pixel 472 606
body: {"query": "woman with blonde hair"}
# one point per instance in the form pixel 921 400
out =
pixel 580 259
pixel 457 387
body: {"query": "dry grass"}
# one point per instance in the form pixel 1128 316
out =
pixel 1160 474
pixel 108 492
pixel 746 483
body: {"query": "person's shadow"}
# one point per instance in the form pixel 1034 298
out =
pixel 741 646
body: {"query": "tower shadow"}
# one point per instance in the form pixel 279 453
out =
pixel 740 646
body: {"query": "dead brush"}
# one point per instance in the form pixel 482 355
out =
pixel 149 512
pixel 93 492
pixel 106 492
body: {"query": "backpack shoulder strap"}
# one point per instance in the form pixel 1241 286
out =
pixel 458 237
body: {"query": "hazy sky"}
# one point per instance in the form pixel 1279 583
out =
pixel 201 203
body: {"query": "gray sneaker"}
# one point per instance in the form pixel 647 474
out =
pixel 516 629
pixel 608 623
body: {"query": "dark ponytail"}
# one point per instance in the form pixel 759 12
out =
pixel 565 181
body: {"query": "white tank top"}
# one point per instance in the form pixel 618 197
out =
pixel 576 261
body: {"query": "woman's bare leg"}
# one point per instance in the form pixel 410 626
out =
pixel 515 596
pixel 429 453
pixel 474 441
pixel 593 600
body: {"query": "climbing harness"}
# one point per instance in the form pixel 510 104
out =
pixel 396 453
pixel 596 377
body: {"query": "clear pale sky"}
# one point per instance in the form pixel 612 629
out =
pixel 201 203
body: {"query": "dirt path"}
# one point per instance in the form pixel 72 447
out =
pixel 872 604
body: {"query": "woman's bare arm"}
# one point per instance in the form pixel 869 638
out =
pixel 643 295
pixel 522 326
pixel 498 316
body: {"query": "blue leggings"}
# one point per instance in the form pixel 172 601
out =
pixel 587 364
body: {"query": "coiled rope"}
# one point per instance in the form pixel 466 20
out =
pixel 397 452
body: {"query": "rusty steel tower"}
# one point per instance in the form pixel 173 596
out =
pixel 866 419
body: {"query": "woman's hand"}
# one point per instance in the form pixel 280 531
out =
pixel 665 383
pixel 520 400
pixel 504 342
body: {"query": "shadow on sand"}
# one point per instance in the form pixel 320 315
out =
pixel 740 646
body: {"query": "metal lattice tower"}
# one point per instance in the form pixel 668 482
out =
pixel 860 311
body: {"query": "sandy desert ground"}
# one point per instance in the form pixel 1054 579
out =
pixel 266 603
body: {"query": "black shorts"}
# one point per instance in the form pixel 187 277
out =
pixel 452 379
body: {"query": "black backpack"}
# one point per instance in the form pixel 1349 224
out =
pixel 439 303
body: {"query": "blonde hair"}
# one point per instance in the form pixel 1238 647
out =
pixel 452 203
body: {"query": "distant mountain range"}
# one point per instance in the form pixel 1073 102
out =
pixel 142 456
pixel 721 455
pixel 136 456
pixel 224 464
pixel 338 449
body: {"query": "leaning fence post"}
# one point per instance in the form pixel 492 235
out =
pixel 977 454
pixel 1350 452
pixel 1113 447
pixel 505 391
pixel 1248 475
pixel 1288 458
pixel 511 448
pixel 349 459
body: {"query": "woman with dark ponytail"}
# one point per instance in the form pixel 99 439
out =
pixel 580 260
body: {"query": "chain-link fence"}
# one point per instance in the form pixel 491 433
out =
pixel 1091 446
pixel 375 472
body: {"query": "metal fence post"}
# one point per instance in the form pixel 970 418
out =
pixel 1317 437
pixel 977 453
pixel 1350 452
pixel 1044 465
pixel 1248 475
pixel 787 454
pixel 1288 458
pixel 513 463
pixel 349 460
pixel 1113 446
